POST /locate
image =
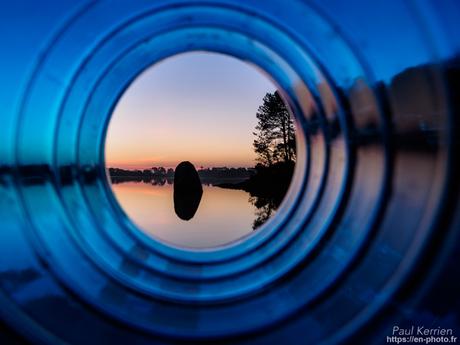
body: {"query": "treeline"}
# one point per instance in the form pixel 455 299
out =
pixel 267 182
pixel 141 174
pixel 223 173
pixel 161 172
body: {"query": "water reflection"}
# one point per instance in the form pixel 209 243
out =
pixel 224 215
pixel 265 208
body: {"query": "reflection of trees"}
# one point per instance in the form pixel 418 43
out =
pixel 267 189
pixel 158 181
pixel 265 209
pixel 155 181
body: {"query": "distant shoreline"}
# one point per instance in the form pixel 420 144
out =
pixel 161 176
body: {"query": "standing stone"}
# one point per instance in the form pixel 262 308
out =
pixel 187 190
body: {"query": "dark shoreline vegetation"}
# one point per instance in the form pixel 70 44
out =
pixel 267 188
pixel 161 176
pixel 266 183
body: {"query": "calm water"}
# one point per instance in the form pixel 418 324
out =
pixel 224 215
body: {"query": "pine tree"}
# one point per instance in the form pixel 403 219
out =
pixel 275 134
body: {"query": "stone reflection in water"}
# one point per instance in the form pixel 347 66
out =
pixel 232 201
pixel 187 190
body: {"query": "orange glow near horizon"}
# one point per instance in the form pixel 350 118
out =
pixel 209 227
pixel 197 107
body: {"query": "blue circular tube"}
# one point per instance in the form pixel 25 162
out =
pixel 365 239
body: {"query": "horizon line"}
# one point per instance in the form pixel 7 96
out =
pixel 171 167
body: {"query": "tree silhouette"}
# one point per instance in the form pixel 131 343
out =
pixel 274 145
pixel 275 134
pixel 265 207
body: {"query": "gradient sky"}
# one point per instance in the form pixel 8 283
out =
pixel 197 106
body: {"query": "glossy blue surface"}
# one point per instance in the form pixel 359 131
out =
pixel 365 239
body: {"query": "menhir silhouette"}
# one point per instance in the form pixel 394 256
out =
pixel 187 190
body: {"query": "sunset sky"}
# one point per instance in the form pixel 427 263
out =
pixel 199 107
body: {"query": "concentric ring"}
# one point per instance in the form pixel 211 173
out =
pixel 371 184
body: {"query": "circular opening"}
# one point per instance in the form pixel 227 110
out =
pixel 200 150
